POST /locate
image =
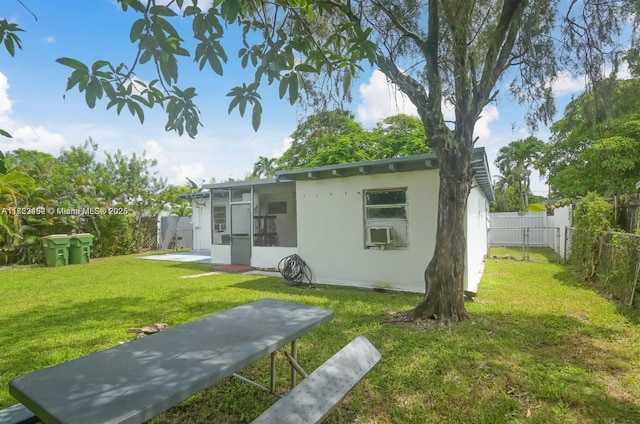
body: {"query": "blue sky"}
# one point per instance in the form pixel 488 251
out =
pixel 33 109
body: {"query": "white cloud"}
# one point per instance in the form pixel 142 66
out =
pixel 380 99
pixel 25 137
pixel 178 160
pixel 33 138
pixel 286 143
pixel 155 151
pixel 49 39
pixel 565 83
pixel 178 174
pixel 623 72
pixel 481 130
pixel 5 101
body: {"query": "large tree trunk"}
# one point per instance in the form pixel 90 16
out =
pixel 444 276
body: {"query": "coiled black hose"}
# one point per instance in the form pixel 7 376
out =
pixel 295 271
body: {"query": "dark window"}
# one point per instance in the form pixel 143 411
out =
pixel 277 208
pixel 386 212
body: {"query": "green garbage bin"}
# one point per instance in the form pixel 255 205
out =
pixel 80 248
pixel 56 250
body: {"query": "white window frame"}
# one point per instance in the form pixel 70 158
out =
pixel 399 226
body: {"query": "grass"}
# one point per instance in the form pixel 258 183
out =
pixel 540 348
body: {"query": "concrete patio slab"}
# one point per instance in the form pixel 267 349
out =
pixel 197 256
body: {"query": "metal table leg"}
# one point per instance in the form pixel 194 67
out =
pixel 272 373
pixel 294 356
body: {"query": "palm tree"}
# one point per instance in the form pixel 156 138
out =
pixel 183 209
pixel 515 162
pixel 15 189
pixel 264 166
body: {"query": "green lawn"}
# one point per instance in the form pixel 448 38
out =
pixel 540 348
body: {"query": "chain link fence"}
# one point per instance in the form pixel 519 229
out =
pixel 526 244
pixel 611 260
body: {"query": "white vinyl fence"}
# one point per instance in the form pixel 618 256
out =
pixel 532 231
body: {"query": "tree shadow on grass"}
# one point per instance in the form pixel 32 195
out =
pixel 499 367
pixel 43 336
pixel 569 278
pixel 277 287
pixel 502 366
pixel 567 361
pixel 193 266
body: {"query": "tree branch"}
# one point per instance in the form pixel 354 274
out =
pixel 500 47
pixel 422 45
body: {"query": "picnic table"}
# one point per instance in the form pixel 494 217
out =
pixel 133 382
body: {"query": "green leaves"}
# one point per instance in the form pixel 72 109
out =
pixel 182 113
pixel 243 95
pixel 137 29
pixel 286 50
pixel 596 145
pixel 73 63
pixel 210 51
pixel 333 137
pixel 8 36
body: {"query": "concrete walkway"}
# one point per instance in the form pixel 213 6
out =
pixel 204 257
pixel 199 256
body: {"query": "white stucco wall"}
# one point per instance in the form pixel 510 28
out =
pixel 331 231
pixel 476 233
pixel 268 257
pixel 220 254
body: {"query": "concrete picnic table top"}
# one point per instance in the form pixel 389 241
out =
pixel 133 382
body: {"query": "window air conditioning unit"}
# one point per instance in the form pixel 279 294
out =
pixel 379 236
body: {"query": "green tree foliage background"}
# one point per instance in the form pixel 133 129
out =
pixel 334 137
pixel 75 180
pixel 515 162
pixel 595 147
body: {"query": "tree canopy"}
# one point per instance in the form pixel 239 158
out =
pixel 35 187
pixel 334 137
pixel 595 147
pixel 515 162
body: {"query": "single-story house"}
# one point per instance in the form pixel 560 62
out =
pixel 367 224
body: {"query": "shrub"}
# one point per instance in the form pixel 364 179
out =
pixel 592 218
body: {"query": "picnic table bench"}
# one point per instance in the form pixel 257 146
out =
pixel 133 382
pixel 319 393
pixel 17 414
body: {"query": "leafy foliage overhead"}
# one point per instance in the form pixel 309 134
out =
pixel 285 35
